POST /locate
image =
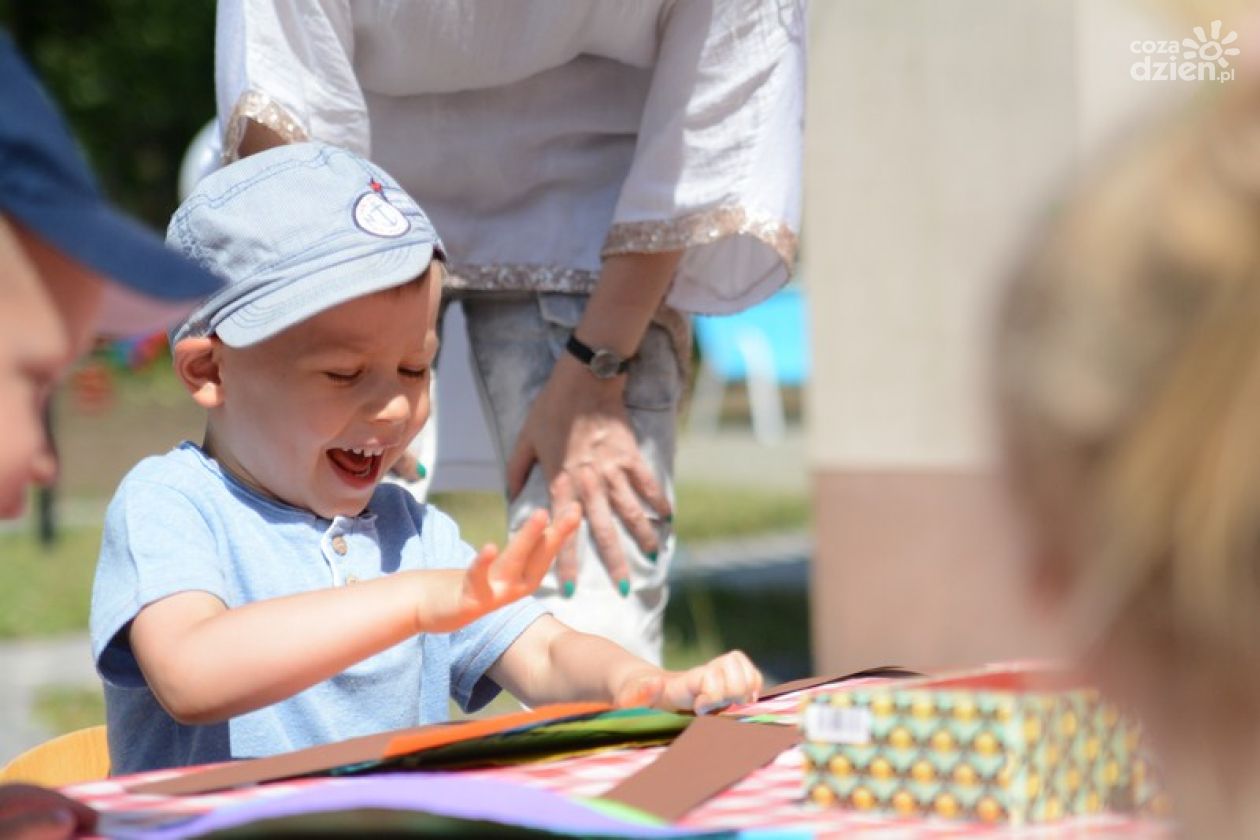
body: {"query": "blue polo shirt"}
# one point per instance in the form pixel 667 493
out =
pixel 179 522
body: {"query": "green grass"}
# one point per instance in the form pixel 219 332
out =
pixel 482 517
pixel 44 592
pixel 708 512
pixel 704 512
pixel 64 708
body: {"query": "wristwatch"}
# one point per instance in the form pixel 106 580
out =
pixel 602 363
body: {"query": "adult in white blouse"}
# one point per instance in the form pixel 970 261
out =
pixel 598 169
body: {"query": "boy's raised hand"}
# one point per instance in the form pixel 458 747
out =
pixel 730 678
pixel 496 578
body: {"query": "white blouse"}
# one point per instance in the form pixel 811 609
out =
pixel 542 135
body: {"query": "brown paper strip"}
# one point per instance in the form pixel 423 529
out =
pixel 711 755
pixel 356 751
pixel 890 671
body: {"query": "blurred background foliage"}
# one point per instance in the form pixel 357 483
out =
pixel 135 78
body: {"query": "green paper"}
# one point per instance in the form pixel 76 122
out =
pixel 781 719
pixel 619 727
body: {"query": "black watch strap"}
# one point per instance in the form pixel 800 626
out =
pixel 604 364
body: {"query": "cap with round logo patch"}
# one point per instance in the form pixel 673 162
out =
pixel 296 230
pixel 377 216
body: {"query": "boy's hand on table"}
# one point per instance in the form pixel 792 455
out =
pixel 497 578
pixel 728 679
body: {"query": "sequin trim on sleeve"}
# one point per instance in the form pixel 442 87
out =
pixel 702 228
pixel 262 109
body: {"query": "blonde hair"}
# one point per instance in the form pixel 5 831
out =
pixel 1128 377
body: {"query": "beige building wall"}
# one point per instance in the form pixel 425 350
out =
pixel 935 134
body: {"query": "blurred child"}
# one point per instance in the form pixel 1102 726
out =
pixel 70 266
pixel 264 592
pixel 1128 368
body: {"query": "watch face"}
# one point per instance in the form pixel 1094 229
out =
pixel 605 364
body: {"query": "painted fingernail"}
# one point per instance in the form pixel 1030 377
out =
pixel 567 588
pixel 652 555
pixel 421 472
pixel 623 586
pixel 709 708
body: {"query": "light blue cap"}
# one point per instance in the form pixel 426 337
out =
pixel 293 231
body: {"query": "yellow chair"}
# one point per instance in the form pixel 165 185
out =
pixel 79 756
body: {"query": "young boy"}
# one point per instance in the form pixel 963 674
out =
pixel 263 592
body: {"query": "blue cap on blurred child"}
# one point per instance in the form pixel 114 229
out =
pixel 47 188
pixel 296 230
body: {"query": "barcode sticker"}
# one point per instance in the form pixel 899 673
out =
pixel 837 725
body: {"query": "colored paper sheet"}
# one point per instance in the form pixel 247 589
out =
pixel 357 805
pixel 711 755
pixel 359 751
pixel 620 727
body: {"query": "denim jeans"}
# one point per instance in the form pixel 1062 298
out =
pixel 515 342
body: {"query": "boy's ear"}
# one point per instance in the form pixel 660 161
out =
pixel 197 366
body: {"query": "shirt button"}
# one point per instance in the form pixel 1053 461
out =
pixel 339 544
pixel 351 579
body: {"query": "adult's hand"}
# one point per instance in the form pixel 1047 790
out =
pixel 34 813
pixel 408 467
pixel 579 433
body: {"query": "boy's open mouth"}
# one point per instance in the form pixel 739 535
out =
pixel 357 466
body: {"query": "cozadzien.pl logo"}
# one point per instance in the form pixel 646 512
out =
pixel 1203 58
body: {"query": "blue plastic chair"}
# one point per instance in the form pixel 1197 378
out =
pixel 764 347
